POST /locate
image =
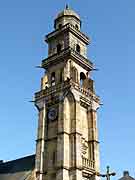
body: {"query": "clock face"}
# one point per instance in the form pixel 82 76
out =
pixel 52 114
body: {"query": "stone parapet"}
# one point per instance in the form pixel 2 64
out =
pixel 88 164
pixel 88 94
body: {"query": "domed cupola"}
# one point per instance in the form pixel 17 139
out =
pixel 67 16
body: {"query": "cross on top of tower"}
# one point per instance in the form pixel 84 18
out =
pixel 67 6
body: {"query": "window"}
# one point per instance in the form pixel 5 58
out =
pixel 61 75
pixel 53 79
pixel 82 78
pixel 77 27
pixel 60 26
pixel 78 48
pixel 59 48
pixel 53 158
pixel 74 74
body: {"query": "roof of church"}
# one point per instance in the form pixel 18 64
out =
pixel 18 169
pixel 68 12
pixel 126 176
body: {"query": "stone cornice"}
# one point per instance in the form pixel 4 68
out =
pixel 68 28
pixel 58 134
pixel 64 55
pixel 69 134
pixel 69 168
pixel 93 141
pixel 88 173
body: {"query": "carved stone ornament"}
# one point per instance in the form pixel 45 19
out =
pixel 84 146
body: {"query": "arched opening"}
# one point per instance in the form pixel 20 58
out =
pixel 78 48
pixel 82 79
pixel 74 74
pixel 60 26
pixel 69 107
pixel 77 27
pixel 61 75
pixel 59 47
pixel 53 79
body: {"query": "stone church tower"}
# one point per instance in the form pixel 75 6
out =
pixel 67 142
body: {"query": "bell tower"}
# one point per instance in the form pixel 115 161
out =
pixel 67 145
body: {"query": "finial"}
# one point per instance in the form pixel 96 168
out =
pixel 67 7
pixel 107 169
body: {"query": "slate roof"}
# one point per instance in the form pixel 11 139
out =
pixel 126 176
pixel 18 169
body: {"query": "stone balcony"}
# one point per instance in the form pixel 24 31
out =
pixel 50 90
pixel 88 164
pixel 66 85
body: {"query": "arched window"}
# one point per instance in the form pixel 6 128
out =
pixel 77 27
pixel 61 75
pixel 74 74
pixel 60 26
pixel 59 48
pixel 82 78
pixel 78 48
pixel 53 79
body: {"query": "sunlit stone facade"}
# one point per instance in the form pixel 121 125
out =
pixel 67 140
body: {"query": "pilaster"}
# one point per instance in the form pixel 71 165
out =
pixel 63 156
pixel 40 142
pixel 93 142
pixel 76 158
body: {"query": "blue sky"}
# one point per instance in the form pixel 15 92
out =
pixel 110 24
